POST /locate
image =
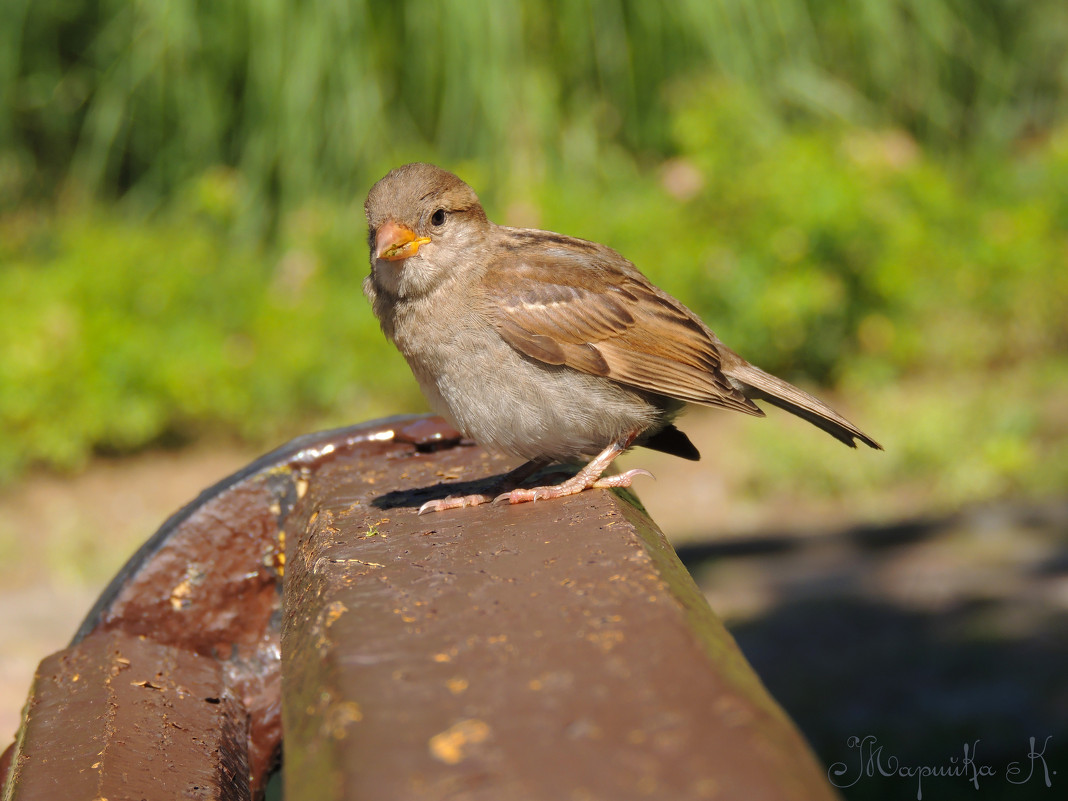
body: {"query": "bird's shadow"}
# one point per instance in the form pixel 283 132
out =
pixel 490 485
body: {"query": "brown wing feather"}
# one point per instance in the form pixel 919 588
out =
pixel 572 306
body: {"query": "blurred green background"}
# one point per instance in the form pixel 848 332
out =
pixel 869 198
pixel 868 195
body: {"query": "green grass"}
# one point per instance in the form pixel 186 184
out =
pixel 306 99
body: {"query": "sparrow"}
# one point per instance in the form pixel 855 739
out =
pixel 545 346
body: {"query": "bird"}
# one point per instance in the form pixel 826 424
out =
pixel 544 346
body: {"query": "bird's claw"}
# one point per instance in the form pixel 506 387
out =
pixel 453 502
pixel 524 495
pixel 569 488
pixel 572 486
pixel 622 479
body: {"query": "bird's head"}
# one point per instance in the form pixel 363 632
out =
pixel 423 225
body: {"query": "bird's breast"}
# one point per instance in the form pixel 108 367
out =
pixel 507 401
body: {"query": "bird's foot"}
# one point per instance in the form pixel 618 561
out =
pixel 453 502
pixel 572 486
pixel 507 481
pixel 621 479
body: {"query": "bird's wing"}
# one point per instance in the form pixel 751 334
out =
pixel 577 306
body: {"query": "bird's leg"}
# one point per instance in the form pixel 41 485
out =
pixel 511 479
pixel 586 478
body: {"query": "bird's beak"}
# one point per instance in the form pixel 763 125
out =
pixel 394 242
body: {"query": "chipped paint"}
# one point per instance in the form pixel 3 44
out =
pixel 453 745
pixel 355 562
pixel 327 618
pixel 606 640
pixel 194 575
pixel 457 685
pixel 338 718
pixel 333 611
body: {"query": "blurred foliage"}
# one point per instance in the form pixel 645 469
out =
pixel 118 334
pixel 870 194
pixel 832 253
pixel 303 99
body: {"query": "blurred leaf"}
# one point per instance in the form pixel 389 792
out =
pixel 304 99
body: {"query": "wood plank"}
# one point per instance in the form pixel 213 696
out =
pixel 542 651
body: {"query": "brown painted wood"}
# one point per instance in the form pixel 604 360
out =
pixel 203 594
pixel 117 716
pixel 542 651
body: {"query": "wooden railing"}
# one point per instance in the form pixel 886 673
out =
pixel 551 650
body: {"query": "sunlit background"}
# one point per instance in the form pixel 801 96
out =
pixel 868 198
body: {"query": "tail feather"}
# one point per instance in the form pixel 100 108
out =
pixel 672 441
pixel 758 385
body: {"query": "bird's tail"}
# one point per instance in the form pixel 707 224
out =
pixel 758 385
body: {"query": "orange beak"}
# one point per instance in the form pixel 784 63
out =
pixel 395 242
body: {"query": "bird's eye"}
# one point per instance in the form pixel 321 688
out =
pixel 437 219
